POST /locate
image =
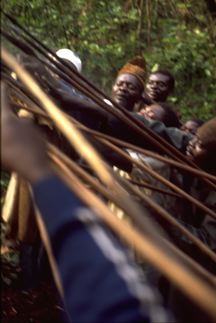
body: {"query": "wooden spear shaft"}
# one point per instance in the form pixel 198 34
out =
pixel 141 165
pixel 99 188
pixel 145 168
pixel 166 215
pixel 59 119
pixel 95 94
pixel 121 143
pixel 73 135
pixel 163 180
pixel 139 220
pixel 205 302
pixel 147 225
pixel 140 223
pixel 162 212
pixel 158 177
pixel 172 162
pixel 189 284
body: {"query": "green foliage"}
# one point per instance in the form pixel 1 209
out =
pixel 191 57
pixel 176 35
pixel 4 179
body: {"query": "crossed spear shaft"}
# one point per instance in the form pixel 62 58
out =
pixel 161 211
pixel 190 198
pixel 152 249
pixel 85 86
pixel 165 214
pixel 140 222
pixel 159 255
pixel 100 137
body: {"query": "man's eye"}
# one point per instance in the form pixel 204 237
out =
pixel 131 87
pixel 119 84
pixel 200 145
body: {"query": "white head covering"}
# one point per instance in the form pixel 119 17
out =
pixel 70 56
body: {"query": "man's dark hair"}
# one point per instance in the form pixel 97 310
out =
pixel 170 118
pixel 170 77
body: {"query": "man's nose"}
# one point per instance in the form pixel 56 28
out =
pixel 123 86
pixel 154 85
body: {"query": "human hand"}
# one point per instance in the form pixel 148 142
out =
pixel 23 149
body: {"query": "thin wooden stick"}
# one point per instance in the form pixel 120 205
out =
pixel 121 143
pixel 75 137
pixel 97 96
pixel 193 287
pixel 163 180
pixel 154 188
pixel 160 178
pixel 214 186
pixel 67 128
pixel 78 140
pixel 140 222
pixel 182 229
pixel 169 218
pixel 157 176
pixel 125 144
pixel 188 283
pixel 138 219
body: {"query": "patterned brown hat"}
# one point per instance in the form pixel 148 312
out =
pixel 136 66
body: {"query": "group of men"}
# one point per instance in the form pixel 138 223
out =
pixel 99 280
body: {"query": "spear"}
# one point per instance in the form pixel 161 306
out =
pixel 92 92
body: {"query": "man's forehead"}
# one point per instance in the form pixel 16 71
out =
pixel 129 78
pixel 159 77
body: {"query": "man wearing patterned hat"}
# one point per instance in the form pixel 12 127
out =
pixel 129 84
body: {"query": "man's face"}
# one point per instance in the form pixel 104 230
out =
pixel 196 151
pixel 153 112
pixel 190 127
pixel 157 87
pixel 127 91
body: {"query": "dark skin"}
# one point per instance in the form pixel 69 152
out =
pixel 153 112
pixel 126 91
pixel 190 126
pixel 157 87
pixel 196 151
pixel 23 148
